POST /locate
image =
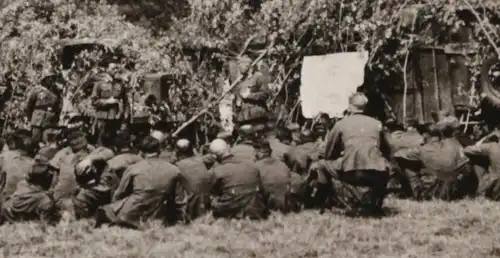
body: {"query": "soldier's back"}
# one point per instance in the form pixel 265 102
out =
pixel 244 151
pixel 153 174
pixel 16 169
pixel 123 161
pixel 273 173
pixel 279 148
pixel 196 174
pixel 297 158
pixel 237 174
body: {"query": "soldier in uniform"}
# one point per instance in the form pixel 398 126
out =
pixel 43 105
pixel 109 101
pixel 438 169
pixel 237 188
pixel 32 199
pixel 195 179
pixel 146 189
pixel 356 158
pixel 245 149
pixel 15 164
pixel 251 97
pixel 276 179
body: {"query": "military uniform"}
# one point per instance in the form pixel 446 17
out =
pixel 116 166
pixel 91 193
pixel 489 181
pixel 197 181
pixel 64 163
pixel 108 114
pixel 42 108
pixel 252 109
pixel 32 199
pixel 15 166
pixel 276 181
pixel 244 151
pixel 437 169
pixel 237 191
pixel 356 163
pixel 298 158
pixel 279 148
pixel 146 190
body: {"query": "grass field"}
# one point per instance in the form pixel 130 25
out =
pixel 432 229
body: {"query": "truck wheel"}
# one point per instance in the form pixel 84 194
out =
pixel 490 80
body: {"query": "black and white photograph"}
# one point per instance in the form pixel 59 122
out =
pixel 249 128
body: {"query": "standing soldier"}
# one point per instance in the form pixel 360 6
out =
pixel 251 95
pixel 43 105
pixel 109 99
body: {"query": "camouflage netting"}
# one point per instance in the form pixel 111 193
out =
pixel 197 43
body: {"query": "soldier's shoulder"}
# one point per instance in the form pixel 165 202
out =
pixel 270 161
pixel 369 121
pixel 63 151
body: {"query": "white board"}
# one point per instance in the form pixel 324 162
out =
pixel 327 81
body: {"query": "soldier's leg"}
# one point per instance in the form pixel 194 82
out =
pixel 376 181
pixel 37 133
pixel 323 188
pixel 100 130
pixel 48 210
pixel 112 127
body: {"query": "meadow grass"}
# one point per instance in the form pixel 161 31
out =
pixel 468 228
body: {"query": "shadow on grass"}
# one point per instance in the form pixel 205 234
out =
pixel 385 212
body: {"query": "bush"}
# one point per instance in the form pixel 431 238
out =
pixel 198 42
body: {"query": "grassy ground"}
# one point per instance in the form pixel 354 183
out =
pixel 433 229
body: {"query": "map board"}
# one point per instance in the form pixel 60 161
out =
pixel 327 81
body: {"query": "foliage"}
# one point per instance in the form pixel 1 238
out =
pixel 198 43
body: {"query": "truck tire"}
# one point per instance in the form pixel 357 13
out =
pixel 490 84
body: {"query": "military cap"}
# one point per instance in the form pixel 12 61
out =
pixel 293 127
pixel 245 129
pixel 183 144
pixel 219 147
pixel 40 166
pixel 224 135
pixel 357 102
pixel 150 144
pixel 102 77
pixel 158 135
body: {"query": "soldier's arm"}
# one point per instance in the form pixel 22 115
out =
pixel 96 96
pixel 478 150
pixel 411 154
pixel 263 90
pixel 332 143
pixel 3 180
pixel 29 105
pixel 55 162
pixel 124 186
pixel 385 146
pixel 286 159
pixel 216 183
pixel 101 153
pixel 126 109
